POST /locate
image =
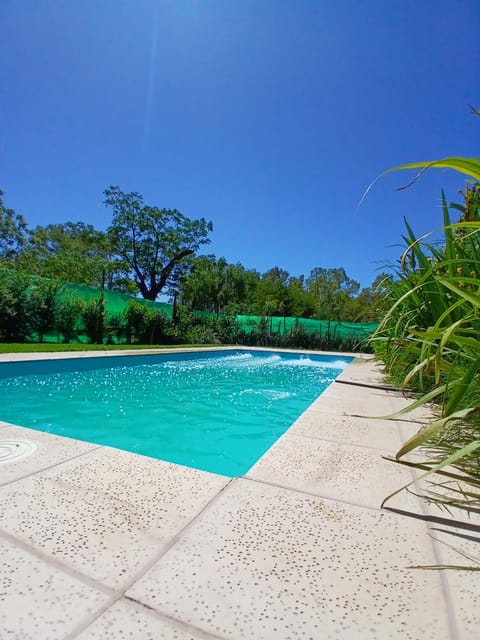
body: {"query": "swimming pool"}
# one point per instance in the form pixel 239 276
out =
pixel 217 411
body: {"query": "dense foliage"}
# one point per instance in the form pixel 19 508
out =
pixel 430 342
pixel 13 229
pixel 214 285
pixel 34 309
pixel 153 251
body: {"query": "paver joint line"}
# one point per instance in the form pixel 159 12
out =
pixel 446 522
pixel 419 465
pixel 57 564
pixel 138 602
pixel 180 623
pixel 51 466
pixel 373 386
pixel 357 415
pixel 80 628
pixel 310 494
pixel 171 543
pixel 318 438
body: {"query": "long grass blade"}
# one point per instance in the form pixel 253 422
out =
pixel 467 166
pixel 461 387
pixel 465 451
pixel 467 295
pixel 428 432
pixel 427 397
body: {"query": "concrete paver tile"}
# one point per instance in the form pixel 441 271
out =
pixel 367 405
pixel 126 621
pixel 106 513
pixel 264 562
pixel 463 584
pixel 333 470
pixel 366 432
pixel 38 600
pixel 456 535
pixel 50 450
pixel 364 370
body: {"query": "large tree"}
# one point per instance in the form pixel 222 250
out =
pixel 333 289
pixel 152 241
pixel 219 287
pixel 371 304
pixel 271 293
pixel 13 230
pixel 204 287
pixel 301 303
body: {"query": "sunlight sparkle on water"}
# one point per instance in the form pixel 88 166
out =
pixel 219 414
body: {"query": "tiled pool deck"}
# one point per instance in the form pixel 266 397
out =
pixel 98 543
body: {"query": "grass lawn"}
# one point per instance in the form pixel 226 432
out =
pixel 46 347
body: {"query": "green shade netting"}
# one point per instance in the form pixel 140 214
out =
pixel 116 303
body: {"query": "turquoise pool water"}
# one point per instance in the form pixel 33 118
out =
pixel 216 411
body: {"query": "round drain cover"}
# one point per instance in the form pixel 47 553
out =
pixel 11 450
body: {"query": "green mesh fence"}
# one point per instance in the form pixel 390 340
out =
pixel 116 303
pixel 330 327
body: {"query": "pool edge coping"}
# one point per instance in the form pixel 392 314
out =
pixel 61 355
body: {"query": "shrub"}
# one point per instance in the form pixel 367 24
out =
pixel 144 325
pixel 15 311
pixel 115 328
pixel 43 301
pixel 68 315
pixel 92 314
pixel 430 341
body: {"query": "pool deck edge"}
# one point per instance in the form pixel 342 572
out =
pixel 63 355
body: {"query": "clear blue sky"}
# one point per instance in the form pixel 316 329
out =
pixel 268 117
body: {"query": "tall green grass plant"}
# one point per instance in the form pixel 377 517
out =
pixel 429 341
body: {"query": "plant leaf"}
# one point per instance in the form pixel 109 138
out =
pixel 461 453
pixel 432 429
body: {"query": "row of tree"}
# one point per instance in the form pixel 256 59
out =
pixel 153 252
pixel 34 309
pixel 329 294
pixel 142 250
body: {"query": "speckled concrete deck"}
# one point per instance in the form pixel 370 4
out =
pixel 98 543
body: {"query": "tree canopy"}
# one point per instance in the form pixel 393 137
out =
pixel 328 294
pixel 155 251
pixel 13 230
pixel 332 289
pixel 72 251
pixel 216 286
pixel 152 241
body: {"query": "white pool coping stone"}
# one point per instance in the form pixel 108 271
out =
pixel 98 543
